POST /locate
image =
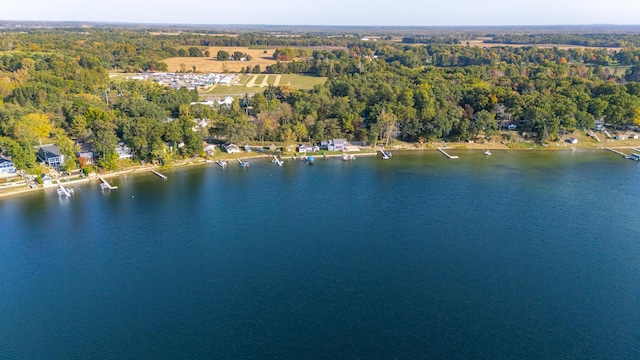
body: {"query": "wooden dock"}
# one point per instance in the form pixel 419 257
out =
pixel 593 135
pixel 105 185
pixel 160 175
pixel 635 149
pixel 445 154
pixel 617 152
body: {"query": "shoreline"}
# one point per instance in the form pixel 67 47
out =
pixel 23 189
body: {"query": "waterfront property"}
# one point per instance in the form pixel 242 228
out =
pixel 123 151
pixel 6 166
pixel 51 155
pixel 231 148
pixel 304 148
pixel 337 145
pixel 46 180
pixel 209 149
pixel 86 151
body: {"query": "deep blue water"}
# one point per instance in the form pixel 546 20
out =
pixel 514 255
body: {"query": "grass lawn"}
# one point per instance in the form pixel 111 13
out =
pixel 259 80
pixel 301 81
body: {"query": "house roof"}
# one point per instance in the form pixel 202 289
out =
pixel 85 147
pixel 50 151
pixel 3 160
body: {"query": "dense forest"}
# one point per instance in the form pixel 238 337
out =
pixel 54 85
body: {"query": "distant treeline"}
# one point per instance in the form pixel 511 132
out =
pixel 430 40
pixel 594 40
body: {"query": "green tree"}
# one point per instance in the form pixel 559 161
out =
pixel 222 55
pixel 67 148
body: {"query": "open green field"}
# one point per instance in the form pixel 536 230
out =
pixel 259 79
pixel 301 81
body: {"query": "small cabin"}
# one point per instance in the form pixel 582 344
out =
pixel 620 137
pixel 231 148
pixel 46 179
pixel 633 136
pixel 572 140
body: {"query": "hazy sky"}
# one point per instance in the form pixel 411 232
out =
pixel 330 12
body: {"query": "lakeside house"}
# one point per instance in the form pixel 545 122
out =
pixel 52 155
pixel 273 147
pixel 209 149
pixel 621 137
pixel 123 151
pixel 231 148
pixel 7 166
pixel 633 136
pixel 46 180
pixel 86 151
pixel 337 145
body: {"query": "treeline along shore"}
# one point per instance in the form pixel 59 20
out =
pixel 57 87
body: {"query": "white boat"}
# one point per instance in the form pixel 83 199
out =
pixel 347 157
pixel 62 191
pixel 221 163
pixel 487 152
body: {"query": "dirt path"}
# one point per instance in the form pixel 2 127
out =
pixel 252 81
pixel 277 82
pixel 264 81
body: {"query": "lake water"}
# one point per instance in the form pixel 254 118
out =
pixel 514 255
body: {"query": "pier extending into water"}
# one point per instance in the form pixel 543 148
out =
pixel 447 155
pixel 160 175
pixel 617 152
pixel 635 149
pixel 104 184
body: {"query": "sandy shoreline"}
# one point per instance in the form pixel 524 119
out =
pixel 23 189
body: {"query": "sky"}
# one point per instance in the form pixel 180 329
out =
pixel 330 12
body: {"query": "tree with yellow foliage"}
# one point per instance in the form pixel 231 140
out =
pixel 29 129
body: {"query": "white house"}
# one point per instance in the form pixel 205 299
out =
pixel 227 102
pixel 123 151
pixel 208 148
pixel 302 148
pixel 231 148
pixel 621 137
pixel 337 145
pixel 633 136
pixel 51 155
pixel 204 102
pixel 46 180
pixel 6 166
